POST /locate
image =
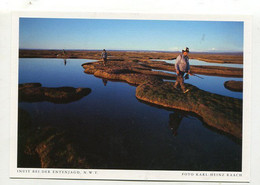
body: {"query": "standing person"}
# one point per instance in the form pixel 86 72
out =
pixel 182 66
pixel 104 57
pixel 64 54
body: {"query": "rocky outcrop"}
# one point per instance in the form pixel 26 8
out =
pixel 47 147
pixel 130 72
pixel 146 66
pixel 221 112
pixel 232 85
pixel 34 92
pixel 56 149
pixel 131 78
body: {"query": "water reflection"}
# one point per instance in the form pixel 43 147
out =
pixel 111 129
pixel 65 62
pixel 174 122
pixel 104 81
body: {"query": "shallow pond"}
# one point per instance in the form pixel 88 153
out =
pixel 111 126
pixel 203 63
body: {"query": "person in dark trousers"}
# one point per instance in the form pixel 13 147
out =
pixel 182 66
pixel 104 57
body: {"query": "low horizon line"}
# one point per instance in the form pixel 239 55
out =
pixel 213 51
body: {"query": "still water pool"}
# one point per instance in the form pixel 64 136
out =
pixel 114 128
pixel 196 62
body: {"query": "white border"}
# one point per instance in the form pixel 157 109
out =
pixel 133 174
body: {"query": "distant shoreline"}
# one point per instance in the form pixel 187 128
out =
pixel 128 56
pixel 151 51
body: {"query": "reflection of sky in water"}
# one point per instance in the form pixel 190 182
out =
pixel 111 122
pixel 202 63
pixel 213 84
pixel 52 72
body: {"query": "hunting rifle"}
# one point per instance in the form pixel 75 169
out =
pixel 192 74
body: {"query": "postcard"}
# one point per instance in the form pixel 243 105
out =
pixel 130 97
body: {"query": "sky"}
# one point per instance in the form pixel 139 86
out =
pixel 159 35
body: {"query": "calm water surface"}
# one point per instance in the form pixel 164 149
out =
pixel 203 63
pixel 113 127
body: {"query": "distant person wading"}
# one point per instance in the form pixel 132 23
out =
pixel 182 66
pixel 104 57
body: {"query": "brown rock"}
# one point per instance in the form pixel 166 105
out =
pixel 33 92
pixel 232 85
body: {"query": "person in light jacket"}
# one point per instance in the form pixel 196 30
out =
pixel 182 66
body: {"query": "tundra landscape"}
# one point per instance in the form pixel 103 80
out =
pixel 145 71
pixel 119 94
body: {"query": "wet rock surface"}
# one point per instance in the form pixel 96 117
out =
pixel 34 92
